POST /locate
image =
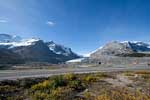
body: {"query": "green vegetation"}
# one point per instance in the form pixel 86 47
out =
pixel 78 87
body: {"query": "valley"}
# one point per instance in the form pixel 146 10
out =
pixel 34 69
pixel 74 49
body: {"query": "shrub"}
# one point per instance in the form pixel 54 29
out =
pixel 41 86
pixel 57 82
pixel 49 84
pixel 69 76
pixel 90 78
pixel 38 95
pixel 7 88
pixel 103 97
pixel 62 93
pixel 76 84
pixel 87 95
pixel 28 82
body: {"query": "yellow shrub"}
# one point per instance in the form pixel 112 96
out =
pixel 69 76
pixel 102 97
pixel 40 86
pixel 87 95
pixel 61 93
pixel 38 95
pixel 90 78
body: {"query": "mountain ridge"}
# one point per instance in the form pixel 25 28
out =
pixel 114 48
pixel 34 50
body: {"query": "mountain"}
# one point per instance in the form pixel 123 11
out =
pixel 9 57
pixel 15 49
pixel 61 50
pixel 4 38
pixel 125 48
pixel 138 46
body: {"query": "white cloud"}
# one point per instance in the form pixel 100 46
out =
pixel 50 23
pixel 3 21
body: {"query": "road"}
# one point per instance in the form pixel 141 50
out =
pixel 15 74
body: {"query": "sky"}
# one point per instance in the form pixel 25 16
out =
pixel 83 25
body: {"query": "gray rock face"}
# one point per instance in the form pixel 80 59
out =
pixel 33 50
pixel 113 48
pixel 126 48
pixel 38 52
pixel 9 57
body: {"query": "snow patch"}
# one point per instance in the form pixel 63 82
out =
pixel 88 54
pixel 59 49
pixel 25 42
pixel 75 60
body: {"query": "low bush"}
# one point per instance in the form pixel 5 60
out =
pixel 62 93
pixel 41 86
pixel 39 95
pixel 90 78
pixel 58 81
pixel 69 76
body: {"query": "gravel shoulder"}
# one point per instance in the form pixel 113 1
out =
pixel 15 74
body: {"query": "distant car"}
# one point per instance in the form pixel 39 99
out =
pixel 148 64
pixel 99 63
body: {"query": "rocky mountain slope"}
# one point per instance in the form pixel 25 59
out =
pixel 125 48
pixel 60 49
pixel 13 49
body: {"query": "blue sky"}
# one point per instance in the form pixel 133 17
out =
pixel 83 25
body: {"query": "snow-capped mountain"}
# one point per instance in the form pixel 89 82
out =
pixel 23 42
pixel 33 50
pixel 119 48
pixel 60 49
pixel 138 46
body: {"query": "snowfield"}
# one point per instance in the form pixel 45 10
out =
pixel 25 42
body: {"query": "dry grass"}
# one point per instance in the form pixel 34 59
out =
pixel 118 93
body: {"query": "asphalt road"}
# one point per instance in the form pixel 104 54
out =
pixel 15 74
